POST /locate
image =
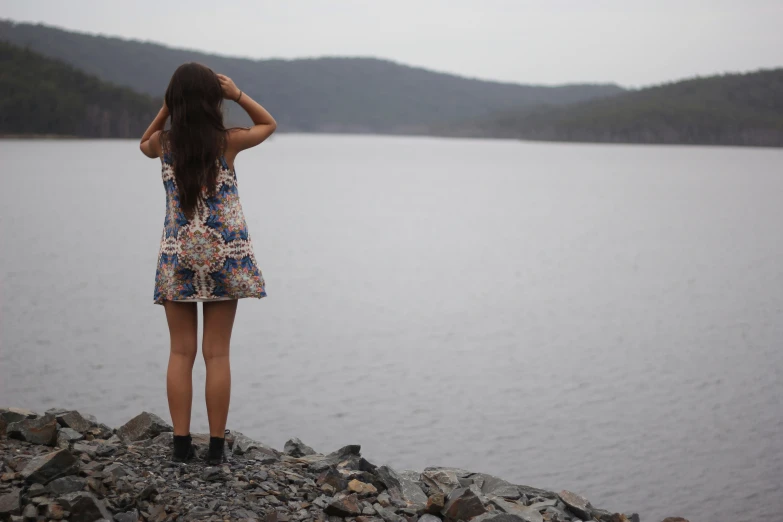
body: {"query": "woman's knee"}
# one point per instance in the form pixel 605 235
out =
pixel 214 349
pixel 185 348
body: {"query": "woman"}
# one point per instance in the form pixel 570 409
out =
pixel 205 252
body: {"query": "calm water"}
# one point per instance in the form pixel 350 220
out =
pixel 606 319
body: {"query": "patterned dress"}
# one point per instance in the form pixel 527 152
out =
pixel 209 257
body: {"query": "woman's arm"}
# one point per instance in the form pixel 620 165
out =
pixel 150 141
pixel 263 122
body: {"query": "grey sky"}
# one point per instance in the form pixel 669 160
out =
pixel 631 42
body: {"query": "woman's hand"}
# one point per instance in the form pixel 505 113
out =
pixel 230 90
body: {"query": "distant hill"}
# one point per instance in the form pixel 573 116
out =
pixel 732 109
pixel 311 95
pixel 39 95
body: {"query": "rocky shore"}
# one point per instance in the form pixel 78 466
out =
pixel 64 465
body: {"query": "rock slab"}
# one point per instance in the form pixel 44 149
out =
pixel 84 507
pixel 143 426
pixel 51 466
pixel 10 504
pixel 577 504
pixel 297 448
pixel 75 421
pixel 41 430
pixel 463 504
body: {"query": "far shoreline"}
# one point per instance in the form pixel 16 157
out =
pixel 68 137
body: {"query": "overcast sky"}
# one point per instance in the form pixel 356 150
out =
pixel 631 42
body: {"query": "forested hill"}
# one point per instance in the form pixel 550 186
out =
pixel 39 95
pixel 326 94
pixel 732 109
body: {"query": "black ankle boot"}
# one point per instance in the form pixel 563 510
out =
pixel 215 455
pixel 183 448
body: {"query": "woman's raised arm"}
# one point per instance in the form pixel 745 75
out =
pixel 263 122
pixel 150 141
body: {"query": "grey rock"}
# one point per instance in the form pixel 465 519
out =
pixel 543 504
pixel 51 466
pixel 30 513
pixel 89 448
pixel 491 485
pixel 105 450
pixel 429 518
pixel 214 474
pixel 69 435
pixel 64 485
pixel 535 492
pixel 143 426
pixel 74 420
pixel 16 414
pixel 526 513
pixel 116 469
pixel 41 430
pixel 84 507
pixel 243 444
pixel 128 516
pixel 402 487
pixel 346 506
pixel 296 448
pixel 36 490
pixel 338 458
pixel 495 516
pixel 387 514
pixel 463 504
pixel 10 503
pixel 442 479
pixel 577 504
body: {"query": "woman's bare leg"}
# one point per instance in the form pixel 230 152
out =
pixel 183 329
pixel 218 323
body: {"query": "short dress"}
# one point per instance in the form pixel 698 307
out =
pixel 209 257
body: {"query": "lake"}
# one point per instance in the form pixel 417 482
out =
pixel 603 319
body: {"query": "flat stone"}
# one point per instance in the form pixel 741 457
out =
pixel 463 504
pixel 128 516
pixel 441 479
pixel 69 434
pixel 243 444
pixel 116 469
pixel 402 487
pixel 429 518
pixel 577 504
pixel 387 514
pixel 495 516
pixel 75 421
pixel 674 519
pixel 10 503
pixel 64 485
pixel 319 462
pixel 16 414
pixel 41 430
pixel 347 506
pixel 296 448
pixel 51 466
pixel 30 513
pixel 543 504
pixel 526 513
pixel 143 426
pixel 84 507
pixel 491 485
pixel 85 447
pixel 362 488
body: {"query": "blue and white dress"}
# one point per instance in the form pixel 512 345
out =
pixel 209 257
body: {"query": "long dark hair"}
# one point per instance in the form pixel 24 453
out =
pixel 197 138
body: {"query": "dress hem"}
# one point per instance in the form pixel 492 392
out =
pixel 209 299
